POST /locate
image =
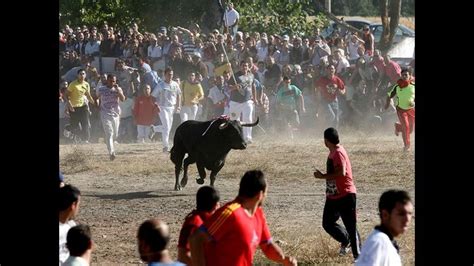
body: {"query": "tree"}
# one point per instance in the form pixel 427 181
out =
pixel 331 16
pixel 389 8
pixel 279 17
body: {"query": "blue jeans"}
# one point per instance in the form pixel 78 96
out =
pixel 331 112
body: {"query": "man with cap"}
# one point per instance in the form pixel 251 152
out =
pixel 340 196
pixel 163 30
pixel 369 41
pixel 154 52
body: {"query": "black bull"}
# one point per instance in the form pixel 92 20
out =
pixel 207 145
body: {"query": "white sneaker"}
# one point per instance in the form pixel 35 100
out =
pixel 344 249
pixel 152 132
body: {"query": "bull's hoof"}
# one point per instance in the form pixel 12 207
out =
pixel 184 182
pixel 177 187
pixel 199 181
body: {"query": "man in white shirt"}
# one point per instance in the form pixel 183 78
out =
pixel 168 96
pixel 80 245
pixel 231 19
pixel 380 248
pixel 69 199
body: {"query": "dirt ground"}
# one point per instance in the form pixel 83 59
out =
pixel 118 195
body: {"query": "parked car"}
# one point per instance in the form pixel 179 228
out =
pixel 402 32
pixel 403 52
pixel 355 22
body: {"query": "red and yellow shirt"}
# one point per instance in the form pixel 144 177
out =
pixel 235 235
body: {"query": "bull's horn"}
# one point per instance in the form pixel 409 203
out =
pixel 223 125
pixel 250 124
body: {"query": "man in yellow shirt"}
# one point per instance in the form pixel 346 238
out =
pixel 405 104
pixel 77 98
pixel 192 94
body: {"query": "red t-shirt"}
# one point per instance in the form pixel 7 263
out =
pixel 192 222
pixel 328 87
pixel 341 185
pixel 145 110
pixel 234 235
pixel 393 71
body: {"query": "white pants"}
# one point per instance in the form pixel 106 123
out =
pixel 166 117
pixel 246 109
pixel 188 112
pixel 143 133
pixel 111 126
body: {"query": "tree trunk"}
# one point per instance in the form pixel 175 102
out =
pixel 395 8
pixel 321 8
pixel 212 18
pixel 389 26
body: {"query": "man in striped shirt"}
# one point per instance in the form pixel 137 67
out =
pixel 233 233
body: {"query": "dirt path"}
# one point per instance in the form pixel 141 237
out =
pixel 119 195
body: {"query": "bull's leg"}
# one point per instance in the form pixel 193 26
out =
pixel 202 173
pixel 214 173
pixel 177 171
pixel 177 154
pixel 189 160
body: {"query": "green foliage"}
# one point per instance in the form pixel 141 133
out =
pixel 355 8
pixel 149 14
pixel 408 8
pixel 279 17
pixel 271 16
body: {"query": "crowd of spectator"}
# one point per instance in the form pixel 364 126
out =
pixel 352 94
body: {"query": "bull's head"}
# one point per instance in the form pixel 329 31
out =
pixel 235 134
pixel 225 124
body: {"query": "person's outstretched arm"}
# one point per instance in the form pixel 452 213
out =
pixel 273 252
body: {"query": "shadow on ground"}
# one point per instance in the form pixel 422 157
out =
pixel 139 195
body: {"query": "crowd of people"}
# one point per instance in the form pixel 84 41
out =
pixel 291 82
pixel 161 79
pixel 230 234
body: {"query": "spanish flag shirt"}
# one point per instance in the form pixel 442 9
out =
pixel 235 235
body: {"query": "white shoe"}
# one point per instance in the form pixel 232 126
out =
pixel 152 132
pixel 344 249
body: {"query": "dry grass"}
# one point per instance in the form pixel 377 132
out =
pixel 119 195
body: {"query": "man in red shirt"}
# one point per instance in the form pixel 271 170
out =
pixel 207 199
pixel 233 232
pixel 340 196
pixel 328 87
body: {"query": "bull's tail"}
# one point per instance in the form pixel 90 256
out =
pixel 177 153
pixel 173 155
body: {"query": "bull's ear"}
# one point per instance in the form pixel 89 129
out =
pixel 223 125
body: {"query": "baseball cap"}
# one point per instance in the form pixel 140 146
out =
pixel 286 37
